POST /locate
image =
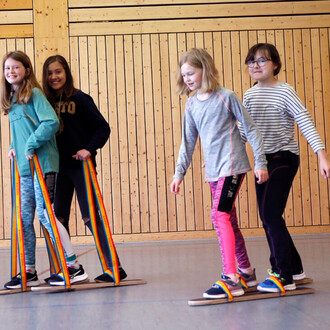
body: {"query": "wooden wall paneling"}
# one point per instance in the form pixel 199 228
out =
pixel 74 60
pixel 5 180
pixel 237 88
pixel 150 133
pixel 27 46
pixel 132 136
pixel 205 221
pixel 245 85
pixel 314 175
pixel 114 136
pixel 16 31
pixel 320 200
pixel 270 36
pixel 199 220
pixel 261 35
pixel 15 4
pixel 199 10
pixel 189 177
pixel 217 55
pixel 309 103
pixel 51 29
pixel 122 129
pixel 177 128
pixel 16 17
pixel 325 67
pixel 170 156
pixel 74 64
pixel 141 135
pixel 197 25
pixel 299 86
pixel 196 160
pixel 105 164
pixel 93 73
pixel 103 3
pixel 290 78
pixel 84 86
pixel 162 188
pixel 254 220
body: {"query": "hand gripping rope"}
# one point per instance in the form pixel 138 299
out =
pixel 93 189
pixel 55 249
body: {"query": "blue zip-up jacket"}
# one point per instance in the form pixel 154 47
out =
pixel 33 127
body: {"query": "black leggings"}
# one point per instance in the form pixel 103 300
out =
pixel 67 181
pixel 272 198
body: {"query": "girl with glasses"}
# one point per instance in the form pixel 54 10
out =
pixel 274 107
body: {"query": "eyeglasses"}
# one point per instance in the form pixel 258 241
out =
pixel 260 61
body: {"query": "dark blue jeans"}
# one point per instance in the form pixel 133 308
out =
pixel 272 198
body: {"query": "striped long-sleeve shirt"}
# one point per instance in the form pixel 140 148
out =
pixel 274 110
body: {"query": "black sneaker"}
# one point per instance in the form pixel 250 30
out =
pixel 47 279
pixel 107 278
pixel 217 292
pixel 76 275
pixel 15 283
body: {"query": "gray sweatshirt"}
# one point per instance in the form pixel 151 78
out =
pixel 214 120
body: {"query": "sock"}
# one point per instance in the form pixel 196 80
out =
pixel 71 258
pixel 103 242
pixel 72 262
pixel 30 269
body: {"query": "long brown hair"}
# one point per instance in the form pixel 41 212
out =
pixel 23 93
pixel 68 88
pixel 198 58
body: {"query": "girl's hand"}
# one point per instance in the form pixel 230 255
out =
pixel 82 154
pixel 261 175
pixel 28 157
pixel 11 154
pixel 324 164
pixel 175 186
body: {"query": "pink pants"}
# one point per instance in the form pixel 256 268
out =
pixel 231 241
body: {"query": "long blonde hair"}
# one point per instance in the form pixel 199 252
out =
pixel 23 93
pixel 199 58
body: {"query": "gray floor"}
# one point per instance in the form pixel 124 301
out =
pixel 175 271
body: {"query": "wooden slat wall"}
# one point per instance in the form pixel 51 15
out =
pixel 124 53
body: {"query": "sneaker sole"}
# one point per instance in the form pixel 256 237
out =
pixel 223 295
pixel 29 284
pixel 299 277
pixel 76 279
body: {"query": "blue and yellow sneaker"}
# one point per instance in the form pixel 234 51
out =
pixel 270 285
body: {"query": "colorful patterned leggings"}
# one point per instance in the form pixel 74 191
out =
pixel 231 241
pixel 32 199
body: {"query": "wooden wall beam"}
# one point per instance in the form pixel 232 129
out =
pixel 197 11
pixel 50 30
pixel 198 25
pixel 113 3
pixel 15 4
pixel 16 31
pixel 16 17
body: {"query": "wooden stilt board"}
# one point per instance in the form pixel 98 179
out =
pixel 85 286
pixel 254 294
pixel 29 288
